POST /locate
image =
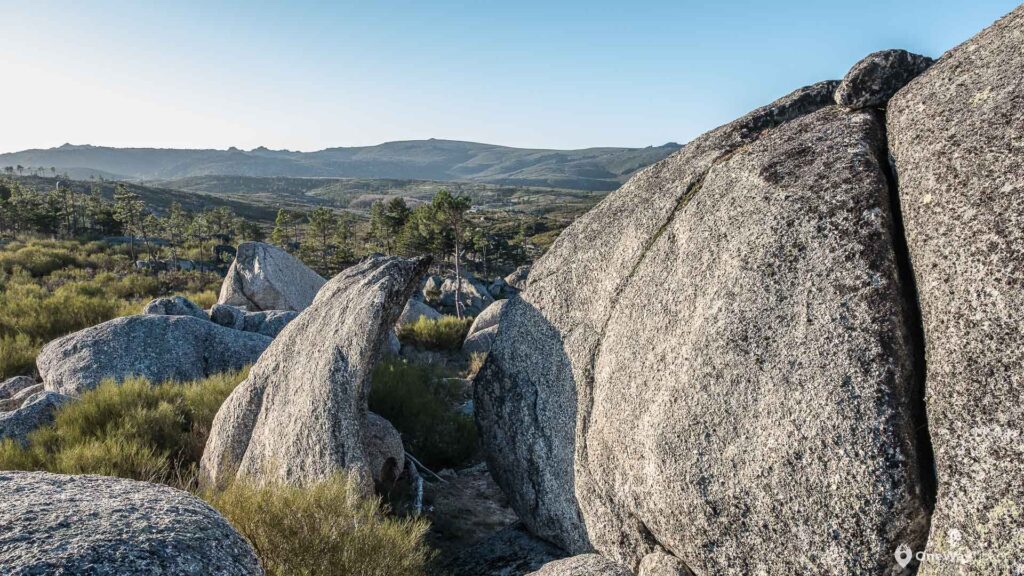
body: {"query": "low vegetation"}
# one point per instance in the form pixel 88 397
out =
pixel 444 333
pixel 323 529
pixel 421 400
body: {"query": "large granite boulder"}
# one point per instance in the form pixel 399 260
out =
pixel 175 306
pixel 54 524
pixel 583 565
pixel 874 79
pixel 414 310
pixel 716 361
pixel 957 140
pixel 484 329
pixel 264 277
pixel 302 413
pixel 156 347
pixel 474 295
pixel 37 410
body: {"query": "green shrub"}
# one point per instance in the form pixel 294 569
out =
pixel 37 260
pixel 422 403
pixel 17 355
pixel 324 529
pixel 444 333
pixel 133 430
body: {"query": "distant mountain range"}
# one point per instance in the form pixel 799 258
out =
pixel 596 169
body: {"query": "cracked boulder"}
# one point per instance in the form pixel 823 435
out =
pixel 715 362
pixel 157 347
pixel 957 140
pixel 302 415
pixel 264 277
pixel 874 80
pixel 55 524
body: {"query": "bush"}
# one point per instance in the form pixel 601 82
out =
pixel 17 355
pixel 133 430
pixel 37 260
pixel 323 529
pixel 444 333
pixel 422 403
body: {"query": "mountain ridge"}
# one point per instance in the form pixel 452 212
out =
pixel 599 169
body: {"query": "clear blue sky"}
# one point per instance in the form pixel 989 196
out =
pixel 310 75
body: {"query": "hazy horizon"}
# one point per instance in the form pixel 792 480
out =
pixel 306 77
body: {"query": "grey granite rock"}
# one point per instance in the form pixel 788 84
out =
pixel 384 449
pixel 518 278
pixel 175 306
pixel 264 277
pixel 19 397
pixel 475 296
pixel 159 348
pixel 583 565
pixel 956 135
pixel 414 310
pixel 484 329
pixel 874 80
pixel 12 386
pixel 301 414
pixel 71 525
pixel 660 563
pixel 526 394
pixel 37 410
pixel 228 316
pixel 268 322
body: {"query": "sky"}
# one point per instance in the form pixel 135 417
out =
pixel 307 75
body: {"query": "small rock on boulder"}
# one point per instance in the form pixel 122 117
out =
pixel 54 524
pixel 264 277
pixel 517 279
pixel 175 306
pixel 19 397
pixel 874 80
pixel 159 348
pixel 302 414
pixel 12 386
pixel 583 565
pixel 36 411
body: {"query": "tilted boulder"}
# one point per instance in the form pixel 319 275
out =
pixel 715 362
pixel 874 79
pixel 55 524
pixel 175 306
pixel 264 277
pixel 13 385
pixel 956 135
pixel 37 410
pixel 301 415
pixel 582 565
pixel 159 348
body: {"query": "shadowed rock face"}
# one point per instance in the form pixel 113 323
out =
pixel 301 415
pixel 583 565
pixel 717 358
pixel 54 524
pixel 957 140
pixel 264 277
pixel 874 80
pixel 526 394
pixel 156 347
pixel 36 410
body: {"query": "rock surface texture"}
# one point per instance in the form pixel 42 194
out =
pixel 874 80
pixel 509 552
pixel 175 306
pixel 18 398
pixel 414 310
pixel 484 329
pixel 716 361
pixel 37 410
pixel 159 348
pixel 583 565
pixel 264 277
pixel 475 296
pixel 54 524
pixel 957 139
pixel 302 413
pixel 517 279
pixel 12 386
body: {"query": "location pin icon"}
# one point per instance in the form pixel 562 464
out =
pixel 903 555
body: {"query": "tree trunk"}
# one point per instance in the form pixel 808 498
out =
pixel 458 283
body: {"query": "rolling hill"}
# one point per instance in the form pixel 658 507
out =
pixel 592 169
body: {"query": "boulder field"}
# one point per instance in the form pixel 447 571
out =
pixel 742 361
